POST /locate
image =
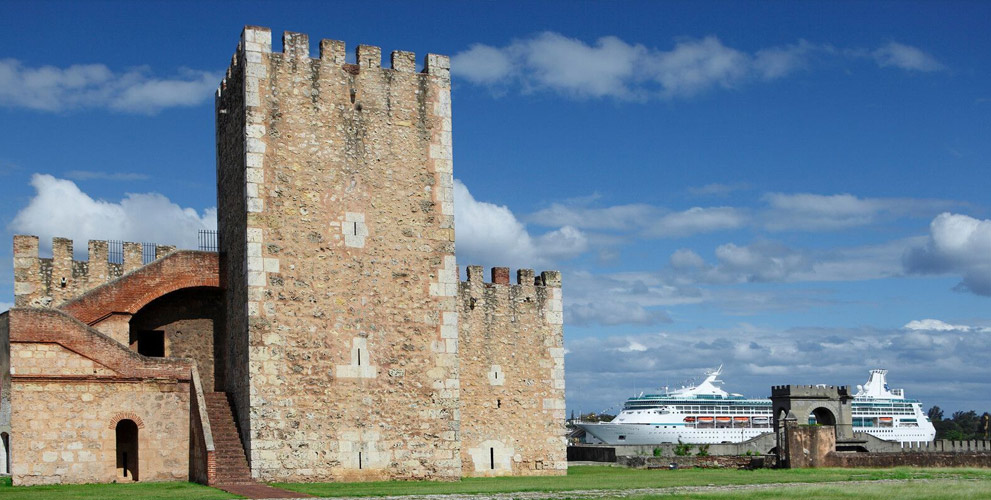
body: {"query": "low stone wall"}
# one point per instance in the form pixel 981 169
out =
pixel 591 454
pixel 705 462
pixel 921 459
pixel 760 445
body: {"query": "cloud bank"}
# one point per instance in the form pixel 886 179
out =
pixel 95 86
pixel 60 208
pixel 612 67
pixel 603 371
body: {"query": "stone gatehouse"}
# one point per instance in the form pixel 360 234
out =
pixel 330 337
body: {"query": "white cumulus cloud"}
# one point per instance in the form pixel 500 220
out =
pixel 491 235
pixel 935 325
pixel 60 209
pixel 612 67
pixel 696 220
pixel 957 244
pixel 81 86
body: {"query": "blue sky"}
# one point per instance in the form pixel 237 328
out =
pixel 794 190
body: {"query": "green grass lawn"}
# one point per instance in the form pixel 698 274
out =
pixel 594 477
pixel 942 489
pixel 932 483
pixel 133 491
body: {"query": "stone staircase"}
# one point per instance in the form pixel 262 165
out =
pixel 232 466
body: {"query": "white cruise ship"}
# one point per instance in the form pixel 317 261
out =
pixel 705 413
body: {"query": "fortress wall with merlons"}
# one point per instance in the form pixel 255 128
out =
pixel 512 374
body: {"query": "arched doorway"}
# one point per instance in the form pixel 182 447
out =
pixel 822 416
pixel 127 450
pixel 5 456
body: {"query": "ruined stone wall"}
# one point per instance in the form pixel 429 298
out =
pixel 350 278
pixel 50 282
pixel 187 318
pixel 908 459
pixel 809 445
pixel 512 374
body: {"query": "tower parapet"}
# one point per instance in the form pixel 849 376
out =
pixel 49 282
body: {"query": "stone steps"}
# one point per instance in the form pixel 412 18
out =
pixel 232 465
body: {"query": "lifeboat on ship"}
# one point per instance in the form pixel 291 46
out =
pixel 689 419
pixel 723 419
pixel 707 420
pixel 741 419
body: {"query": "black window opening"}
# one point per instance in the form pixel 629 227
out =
pixel 151 343
pixel 359 356
pixel 492 458
pixel 498 403
pixel 622 437
pixel 359 459
pixel 356 229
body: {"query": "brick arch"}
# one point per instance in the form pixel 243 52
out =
pixel 126 415
pixel 129 293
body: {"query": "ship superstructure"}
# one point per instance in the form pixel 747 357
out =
pixel 705 413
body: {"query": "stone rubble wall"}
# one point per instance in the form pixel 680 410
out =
pixel 49 282
pixel 512 374
pixel 349 280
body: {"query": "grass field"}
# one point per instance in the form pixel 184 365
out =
pixel 940 489
pixel 134 491
pixel 608 478
pixel 834 483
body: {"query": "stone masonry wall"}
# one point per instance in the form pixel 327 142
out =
pixel 71 385
pixel 350 279
pixel 66 429
pixel 512 374
pixel 50 282
pixel 234 377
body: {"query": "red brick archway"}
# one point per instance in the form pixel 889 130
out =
pixel 126 415
pixel 129 293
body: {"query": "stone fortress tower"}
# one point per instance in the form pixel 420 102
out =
pixel 329 339
pixel 335 190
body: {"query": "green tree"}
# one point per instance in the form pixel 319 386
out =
pixel 935 414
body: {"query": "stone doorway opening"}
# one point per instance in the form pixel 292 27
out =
pixel 5 456
pixel 127 450
pixel 822 416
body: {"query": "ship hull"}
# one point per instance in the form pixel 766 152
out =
pixel 645 434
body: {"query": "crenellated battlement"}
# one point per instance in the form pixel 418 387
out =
pixel 810 391
pixel 524 277
pixel 257 40
pixel 48 282
pixel 535 298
